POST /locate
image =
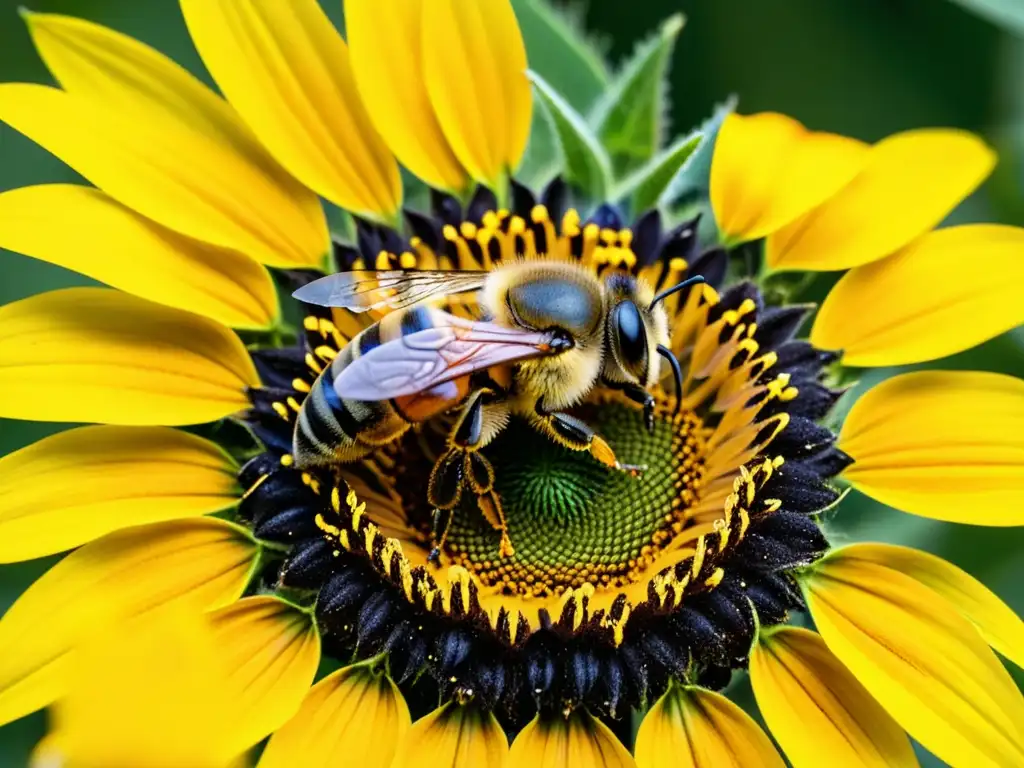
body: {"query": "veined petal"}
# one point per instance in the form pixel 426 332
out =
pixel 454 736
pixel 909 183
pixel 577 741
pixel 767 169
pixel 996 622
pixel 83 229
pixel 695 728
pixel 924 303
pixel 353 712
pixel 159 680
pixel 78 485
pixel 201 563
pixel 94 354
pixel 474 63
pixel 152 136
pixel 815 707
pixel 271 650
pixel 385 41
pixel 922 661
pixel 286 70
pixel 942 444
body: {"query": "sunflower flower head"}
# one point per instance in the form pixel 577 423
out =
pixel 623 508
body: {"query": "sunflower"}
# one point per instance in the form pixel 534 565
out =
pixel 626 598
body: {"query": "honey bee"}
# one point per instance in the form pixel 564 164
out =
pixel 548 333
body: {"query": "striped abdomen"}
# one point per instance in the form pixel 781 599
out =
pixel 331 429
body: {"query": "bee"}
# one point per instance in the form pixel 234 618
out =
pixel 548 333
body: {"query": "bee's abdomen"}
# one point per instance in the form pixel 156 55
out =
pixel 333 430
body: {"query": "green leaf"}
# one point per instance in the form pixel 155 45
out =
pixel 560 52
pixel 542 159
pixel 340 223
pixel 587 166
pixel 631 116
pixel 688 194
pixel 692 182
pixel 646 185
pixel 557 48
pixel 1008 14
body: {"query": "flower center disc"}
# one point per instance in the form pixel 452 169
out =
pixel 571 519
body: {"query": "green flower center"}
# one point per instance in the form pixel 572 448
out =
pixel 571 519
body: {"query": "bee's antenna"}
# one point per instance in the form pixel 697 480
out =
pixel 677 373
pixel 678 287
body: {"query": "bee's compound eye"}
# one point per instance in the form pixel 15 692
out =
pixel 630 335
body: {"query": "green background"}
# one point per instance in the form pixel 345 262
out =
pixel 866 68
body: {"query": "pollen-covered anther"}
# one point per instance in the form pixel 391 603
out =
pixel 701 570
pixel 501 237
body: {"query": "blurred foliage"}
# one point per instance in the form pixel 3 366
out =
pixel 1007 13
pixel 866 68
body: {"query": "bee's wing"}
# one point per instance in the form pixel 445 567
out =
pixel 362 290
pixel 419 361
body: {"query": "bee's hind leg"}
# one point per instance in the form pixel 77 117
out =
pixel 577 435
pixel 463 466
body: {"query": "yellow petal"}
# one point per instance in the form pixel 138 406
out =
pixel 816 709
pixel 577 741
pixel 151 135
pixel 997 623
pixel 353 712
pixel 83 229
pixel 945 292
pixel 942 444
pixel 202 563
pixel 454 736
pixel 385 41
pixel 922 661
pixel 696 728
pixel 909 183
pixel 286 70
pixel 94 354
pixel 147 693
pixel 474 62
pixel 767 169
pixel 271 650
pixel 78 485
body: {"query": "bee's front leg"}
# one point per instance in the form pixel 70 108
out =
pixel 640 396
pixel 577 435
pixel 463 466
